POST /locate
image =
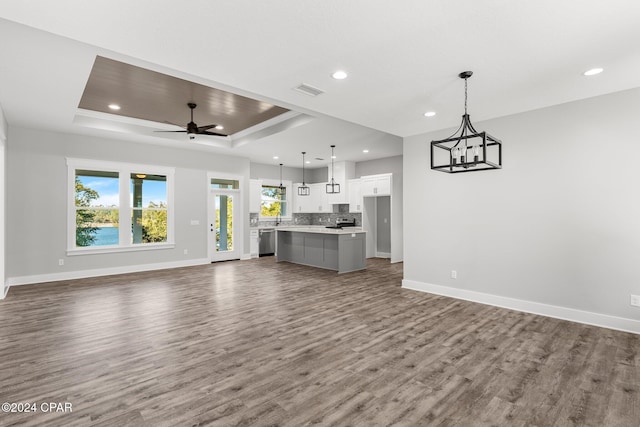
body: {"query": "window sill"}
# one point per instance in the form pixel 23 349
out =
pixel 117 249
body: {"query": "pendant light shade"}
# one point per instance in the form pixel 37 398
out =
pixel 332 187
pixel 467 150
pixel 303 190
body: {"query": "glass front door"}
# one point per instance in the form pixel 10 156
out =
pixel 224 223
pixel 224 239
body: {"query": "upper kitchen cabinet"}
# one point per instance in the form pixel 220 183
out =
pixel 315 202
pixel 342 173
pixel 376 185
pixel 355 195
pixel 255 191
pixel 302 204
pixel 319 199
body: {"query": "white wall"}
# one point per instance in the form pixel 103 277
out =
pixel 37 205
pixel 3 167
pixel 556 231
pixel 260 171
pixel 385 165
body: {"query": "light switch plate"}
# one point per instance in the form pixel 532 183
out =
pixel 635 300
pixel 195 222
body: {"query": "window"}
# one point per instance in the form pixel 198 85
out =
pixel 96 208
pixel 118 207
pixel 149 208
pixel 231 184
pixel 274 201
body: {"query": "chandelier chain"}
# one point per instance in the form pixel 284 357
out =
pixel 465 96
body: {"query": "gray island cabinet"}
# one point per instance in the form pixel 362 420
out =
pixel 342 250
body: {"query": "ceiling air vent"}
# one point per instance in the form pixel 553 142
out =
pixel 309 90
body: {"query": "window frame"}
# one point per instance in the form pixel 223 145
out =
pixel 288 199
pixel 124 171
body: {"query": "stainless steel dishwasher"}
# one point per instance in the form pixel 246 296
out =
pixel 267 244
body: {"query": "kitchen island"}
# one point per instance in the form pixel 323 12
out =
pixel 337 249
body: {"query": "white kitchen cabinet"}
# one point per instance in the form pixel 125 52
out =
pixel 342 173
pixel 319 202
pixel 255 195
pixel 355 195
pixel 376 185
pixel 254 245
pixel 301 204
pixel 316 202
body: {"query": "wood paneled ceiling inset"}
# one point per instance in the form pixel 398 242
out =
pixel 149 95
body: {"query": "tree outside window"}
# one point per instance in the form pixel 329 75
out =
pixel 273 201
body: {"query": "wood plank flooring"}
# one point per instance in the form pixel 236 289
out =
pixel 258 343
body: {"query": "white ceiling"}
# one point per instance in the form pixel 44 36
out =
pixel 402 57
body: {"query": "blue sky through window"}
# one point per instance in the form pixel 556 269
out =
pixel 108 190
pixel 106 187
pixel 152 191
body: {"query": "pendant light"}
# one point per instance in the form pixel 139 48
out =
pixel 458 151
pixel 332 186
pixel 281 188
pixel 303 190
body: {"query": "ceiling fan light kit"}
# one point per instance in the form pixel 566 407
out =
pixel 332 187
pixel 466 150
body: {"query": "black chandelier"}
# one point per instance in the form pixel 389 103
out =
pixel 458 153
pixel 332 186
pixel 303 190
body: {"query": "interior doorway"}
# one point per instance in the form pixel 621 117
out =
pixel 376 220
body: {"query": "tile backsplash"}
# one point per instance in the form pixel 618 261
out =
pixel 309 219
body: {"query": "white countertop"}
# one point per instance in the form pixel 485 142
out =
pixel 320 229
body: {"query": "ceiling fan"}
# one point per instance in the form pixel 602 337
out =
pixel 193 129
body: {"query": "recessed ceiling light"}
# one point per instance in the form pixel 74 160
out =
pixel 339 75
pixel 275 157
pixel 114 106
pixel 308 162
pixel 365 151
pixel 333 157
pixel 430 114
pixel 593 71
pixel 219 127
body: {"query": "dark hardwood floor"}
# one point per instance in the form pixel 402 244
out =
pixel 259 343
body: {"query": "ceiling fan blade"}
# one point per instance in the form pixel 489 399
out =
pixel 169 130
pixel 206 132
pixel 201 128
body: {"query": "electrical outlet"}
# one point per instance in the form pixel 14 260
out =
pixel 60 261
pixel 454 274
pixel 186 251
pixel 635 300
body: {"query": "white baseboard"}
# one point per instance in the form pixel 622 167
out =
pixel 564 313
pixel 383 255
pixel 82 274
pixel 4 292
pixel 245 257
